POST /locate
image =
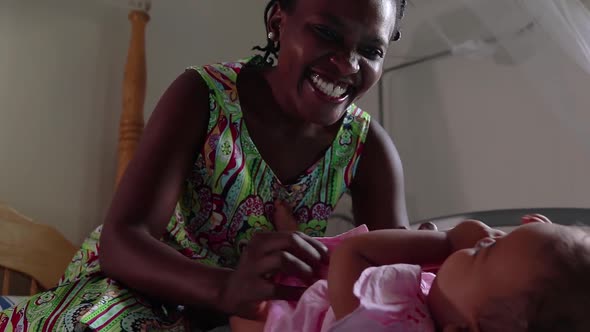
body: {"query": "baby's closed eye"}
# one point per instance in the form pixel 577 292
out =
pixel 486 242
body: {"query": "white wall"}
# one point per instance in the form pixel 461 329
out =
pixel 475 135
pixel 188 32
pixel 61 68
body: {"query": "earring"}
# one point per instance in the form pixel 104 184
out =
pixel 271 35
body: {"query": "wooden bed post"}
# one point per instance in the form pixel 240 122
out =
pixel 134 89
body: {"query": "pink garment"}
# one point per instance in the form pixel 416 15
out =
pixel 330 243
pixel 392 298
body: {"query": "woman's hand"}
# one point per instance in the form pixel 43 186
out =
pixel 289 252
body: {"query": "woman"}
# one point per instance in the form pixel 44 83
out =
pixel 225 145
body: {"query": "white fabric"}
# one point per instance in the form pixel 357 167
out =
pixel 563 22
pixel 544 40
pixel 568 23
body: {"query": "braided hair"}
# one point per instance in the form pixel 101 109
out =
pixel 272 47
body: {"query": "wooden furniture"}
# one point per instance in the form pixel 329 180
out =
pixel 134 87
pixel 35 250
pixel 39 251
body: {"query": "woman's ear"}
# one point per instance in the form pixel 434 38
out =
pixel 275 20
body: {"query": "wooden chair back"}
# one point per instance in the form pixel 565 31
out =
pixel 38 251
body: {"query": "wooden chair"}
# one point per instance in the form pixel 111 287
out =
pixel 38 251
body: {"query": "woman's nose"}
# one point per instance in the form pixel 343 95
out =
pixel 346 62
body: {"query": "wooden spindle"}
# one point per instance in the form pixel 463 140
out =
pixel 6 282
pixel 34 289
pixel 134 89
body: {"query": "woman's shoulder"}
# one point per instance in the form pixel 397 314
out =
pixel 188 87
pixel 222 76
pixel 226 66
pixel 356 114
pixel 356 124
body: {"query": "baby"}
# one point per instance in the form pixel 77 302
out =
pixel 533 279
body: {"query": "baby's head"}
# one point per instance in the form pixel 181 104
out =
pixel 533 279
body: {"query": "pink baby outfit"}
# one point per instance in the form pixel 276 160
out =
pixel 392 298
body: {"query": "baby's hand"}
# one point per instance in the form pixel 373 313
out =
pixel 531 218
pixel 283 218
pixel 255 324
pixel 469 232
pixel 239 324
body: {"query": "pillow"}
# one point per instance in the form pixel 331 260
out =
pixel 9 301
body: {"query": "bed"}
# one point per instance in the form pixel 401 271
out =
pixel 507 219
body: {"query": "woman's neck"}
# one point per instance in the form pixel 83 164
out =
pixel 262 93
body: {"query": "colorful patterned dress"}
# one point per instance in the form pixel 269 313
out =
pixel 228 196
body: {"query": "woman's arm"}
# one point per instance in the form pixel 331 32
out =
pixel 130 250
pixel 377 190
pixel 378 248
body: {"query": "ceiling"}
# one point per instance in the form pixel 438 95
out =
pixel 432 26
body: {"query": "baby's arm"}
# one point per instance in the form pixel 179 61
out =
pixel 387 247
pixel 383 247
pixel 239 324
pixel 256 324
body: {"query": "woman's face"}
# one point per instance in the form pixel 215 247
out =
pixel 331 53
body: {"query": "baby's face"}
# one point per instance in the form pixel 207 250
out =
pixel 501 267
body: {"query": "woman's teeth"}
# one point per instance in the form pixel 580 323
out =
pixel 328 88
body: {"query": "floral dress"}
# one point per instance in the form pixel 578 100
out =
pixel 227 197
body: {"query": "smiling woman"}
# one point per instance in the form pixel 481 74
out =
pixel 343 53
pixel 192 233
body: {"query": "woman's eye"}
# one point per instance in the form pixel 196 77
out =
pixel 372 53
pixel 326 33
